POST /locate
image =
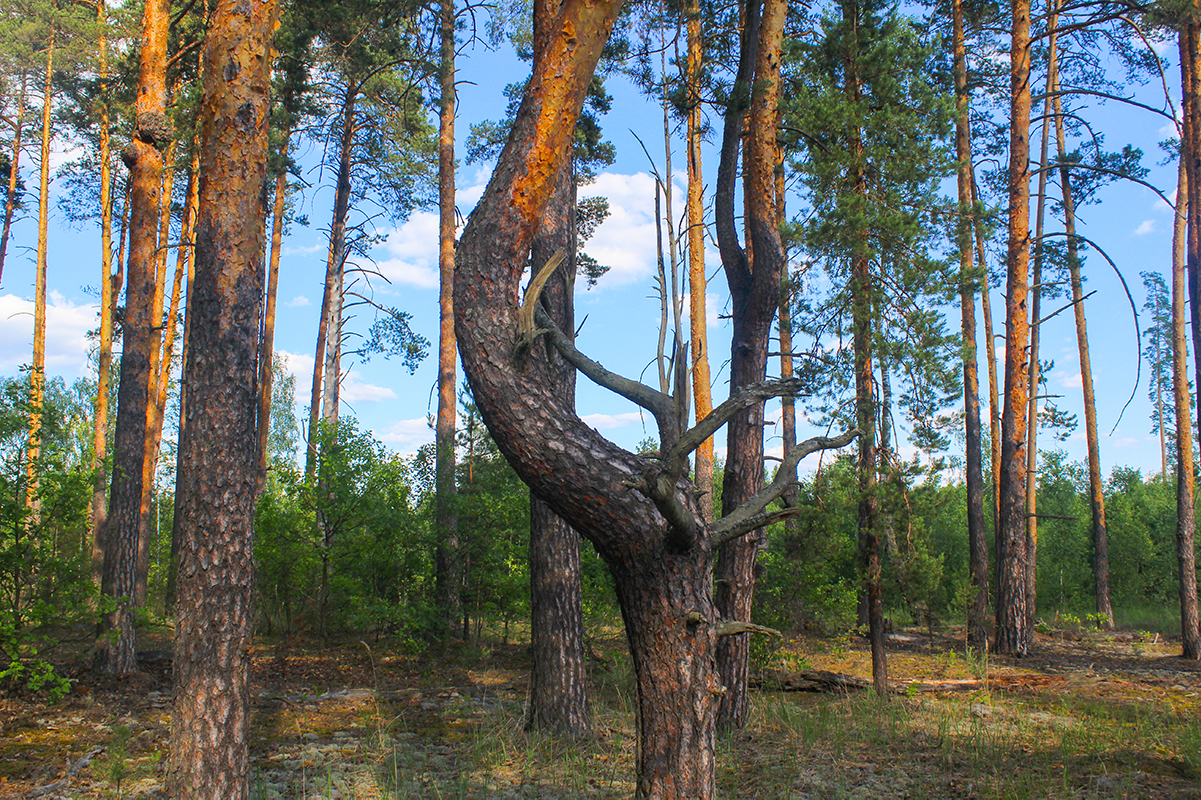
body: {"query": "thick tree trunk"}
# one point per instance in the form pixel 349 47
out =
pixel 1012 635
pixel 1190 155
pixel 448 578
pixel 697 284
pixel 559 680
pixel 1096 485
pixel 330 324
pixel 10 202
pixel 977 611
pixel 661 571
pixel 755 294
pixel 209 742
pixel 115 644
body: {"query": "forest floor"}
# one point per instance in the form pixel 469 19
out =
pixel 1090 714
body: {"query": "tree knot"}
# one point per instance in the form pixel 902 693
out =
pixel 154 129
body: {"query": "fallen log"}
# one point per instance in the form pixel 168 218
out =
pixel 810 680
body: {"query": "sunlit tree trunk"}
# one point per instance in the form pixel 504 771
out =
pixel 1012 635
pixel 37 372
pixel 697 285
pixel 108 299
pixel 160 371
pixel 115 650
pixel 1190 156
pixel 209 740
pixel 977 611
pixel 1035 332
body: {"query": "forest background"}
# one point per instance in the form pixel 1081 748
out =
pixel 356 549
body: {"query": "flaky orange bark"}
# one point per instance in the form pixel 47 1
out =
pixel 1012 636
pixel 218 453
pixel 115 646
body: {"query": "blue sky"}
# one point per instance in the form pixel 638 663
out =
pixel 620 315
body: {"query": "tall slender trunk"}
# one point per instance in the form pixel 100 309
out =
pixel 697 285
pixel 115 645
pixel 448 578
pixel 1190 156
pixel 332 295
pixel 209 741
pixel 994 403
pixel 160 372
pixel 1012 635
pixel 10 201
pixel 1096 487
pixel 1035 331
pixel 187 245
pixel 108 296
pixel 977 611
pixel 37 372
pixel 267 353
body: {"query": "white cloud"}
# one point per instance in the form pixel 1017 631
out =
pixel 625 241
pixel 354 390
pixel 293 250
pixel 1126 441
pixel 411 251
pixel 66 327
pixel 1145 227
pixel 604 422
pixel 1070 380
pixel 407 435
pixel 299 301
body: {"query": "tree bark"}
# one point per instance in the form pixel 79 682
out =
pixel 448 578
pixel 697 283
pixel 559 680
pixel 108 297
pixel 977 611
pixel 218 447
pixel 1190 156
pixel 1096 485
pixel 139 338
pixel 37 372
pixel 1012 635
pixel 754 294
pixel 661 571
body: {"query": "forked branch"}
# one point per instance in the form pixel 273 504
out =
pixel 749 516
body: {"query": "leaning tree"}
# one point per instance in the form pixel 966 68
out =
pixel 641 513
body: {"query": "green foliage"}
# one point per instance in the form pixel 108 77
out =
pixel 45 551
